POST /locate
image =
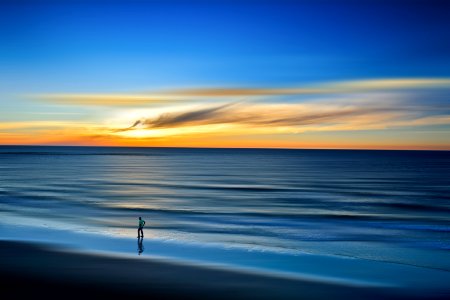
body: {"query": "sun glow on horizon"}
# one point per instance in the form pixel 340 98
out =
pixel 269 121
pixel 300 124
pixel 289 74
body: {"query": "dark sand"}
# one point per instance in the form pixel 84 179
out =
pixel 32 270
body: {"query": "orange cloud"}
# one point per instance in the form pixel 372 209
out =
pixel 315 116
pixel 227 121
pixel 178 95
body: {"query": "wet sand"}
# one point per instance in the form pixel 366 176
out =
pixel 29 270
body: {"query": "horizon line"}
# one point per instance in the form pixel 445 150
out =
pixel 211 147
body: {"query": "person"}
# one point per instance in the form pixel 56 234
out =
pixel 141 226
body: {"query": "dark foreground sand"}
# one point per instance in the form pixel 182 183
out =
pixel 35 271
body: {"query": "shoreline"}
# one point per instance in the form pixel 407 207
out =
pixel 315 269
pixel 31 268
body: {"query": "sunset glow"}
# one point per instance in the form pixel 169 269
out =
pixel 133 83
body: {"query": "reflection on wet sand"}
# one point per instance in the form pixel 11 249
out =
pixel 140 245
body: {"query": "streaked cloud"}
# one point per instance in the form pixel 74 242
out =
pixel 326 88
pixel 107 99
pixel 368 112
pixel 20 125
pixel 250 117
pixel 258 115
pixel 390 84
pixel 210 93
pixel 203 115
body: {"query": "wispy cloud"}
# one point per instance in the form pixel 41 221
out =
pixel 372 112
pixel 249 116
pixel 211 93
pixel 255 115
pixel 131 99
pixel 203 115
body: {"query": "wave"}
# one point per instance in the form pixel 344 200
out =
pixel 266 198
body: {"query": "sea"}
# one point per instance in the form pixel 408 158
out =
pixel 255 208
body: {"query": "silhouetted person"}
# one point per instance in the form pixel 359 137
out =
pixel 140 246
pixel 141 226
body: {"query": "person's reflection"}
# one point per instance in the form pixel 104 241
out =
pixel 140 246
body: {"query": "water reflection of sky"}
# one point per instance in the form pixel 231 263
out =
pixel 274 200
pixel 302 265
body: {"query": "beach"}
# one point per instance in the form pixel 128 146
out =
pixel 86 265
pixel 30 269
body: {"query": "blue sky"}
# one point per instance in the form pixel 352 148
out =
pixel 128 46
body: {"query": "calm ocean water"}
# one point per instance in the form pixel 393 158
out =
pixel 367 204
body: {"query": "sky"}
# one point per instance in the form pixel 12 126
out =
pixel 276 74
